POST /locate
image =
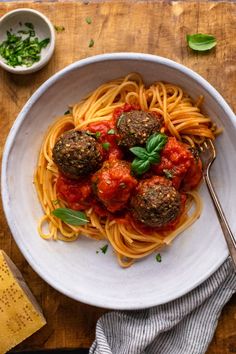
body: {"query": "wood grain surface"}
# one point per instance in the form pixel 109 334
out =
pixel 151 27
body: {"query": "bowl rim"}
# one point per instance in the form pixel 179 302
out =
pixel 43 60
pixel 19 120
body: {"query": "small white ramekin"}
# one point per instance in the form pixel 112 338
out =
pixel 15 20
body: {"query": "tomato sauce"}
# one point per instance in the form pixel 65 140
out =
pixel 77 193
pixel 109 189
pixel 108 139
pixel 178 164
pixel 126 108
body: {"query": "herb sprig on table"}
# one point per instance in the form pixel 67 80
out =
pixel 22 48
pixel 145 157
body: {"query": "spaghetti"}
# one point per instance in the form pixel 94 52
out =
pixel 182 119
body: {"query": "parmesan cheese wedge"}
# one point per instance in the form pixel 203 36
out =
pixel 20 315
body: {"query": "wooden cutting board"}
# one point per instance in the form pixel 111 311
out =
pixel 151 27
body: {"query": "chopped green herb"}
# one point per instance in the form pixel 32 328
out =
pixel 88 20
pixel 121 117
pixel 29 25
pixel 104 249
pixel 55 202
pixel 106 146
pixel 59 28
pixel 158 258
pixel 201 42
pixel 91 43
pixel 97 252
pixel 23 47
pixel 66 112
pixel 168 173
pixel 145 157
pixel 111 131
pixel 44 43
pixel 71 217
pixel 95 135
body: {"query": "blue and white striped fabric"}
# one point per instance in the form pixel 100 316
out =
pixel 183 326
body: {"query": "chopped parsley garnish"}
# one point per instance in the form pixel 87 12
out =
pixel 91 43
pixel 59 28
pixel 66 112
pixel 96 135
pixel 106 146
pixel 55 202
pixel 168 173
pixel 88 20
pixel 158 258
pixel 111 131
pixel 104 249
pixel 22 48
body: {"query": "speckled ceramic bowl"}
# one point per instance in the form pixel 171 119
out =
pixel 75 269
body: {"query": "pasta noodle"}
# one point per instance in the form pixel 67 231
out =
pixel 182 120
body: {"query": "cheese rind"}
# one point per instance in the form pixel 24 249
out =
pixel 20 315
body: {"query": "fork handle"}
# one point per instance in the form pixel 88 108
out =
pixel 223 222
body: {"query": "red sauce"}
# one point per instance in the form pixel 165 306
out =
pixel 176 160
pixel 109 190
pixel 77 193
pixel 112 150
pixel 193 176
pixel 126 108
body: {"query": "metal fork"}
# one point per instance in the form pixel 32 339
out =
pixel 208 155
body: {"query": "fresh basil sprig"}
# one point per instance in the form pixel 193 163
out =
pixel 71 217
pixel 201 42
pixel 145 157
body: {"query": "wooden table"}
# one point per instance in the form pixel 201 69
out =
pixel 151 27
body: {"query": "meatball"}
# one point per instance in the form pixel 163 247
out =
pixel 135 127
pixel 113 184
pixel 77 154
pixel 156 202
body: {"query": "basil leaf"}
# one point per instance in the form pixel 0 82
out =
pixel 140 166
pixel 156 142
pixel 111 131
pixel 71 217
pixel 200 41
pixel 154 158
pixel 139 152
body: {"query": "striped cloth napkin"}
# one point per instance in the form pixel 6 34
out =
pixel 183 326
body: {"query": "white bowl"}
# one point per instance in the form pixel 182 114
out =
pixel 43 28
pixel 75 269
